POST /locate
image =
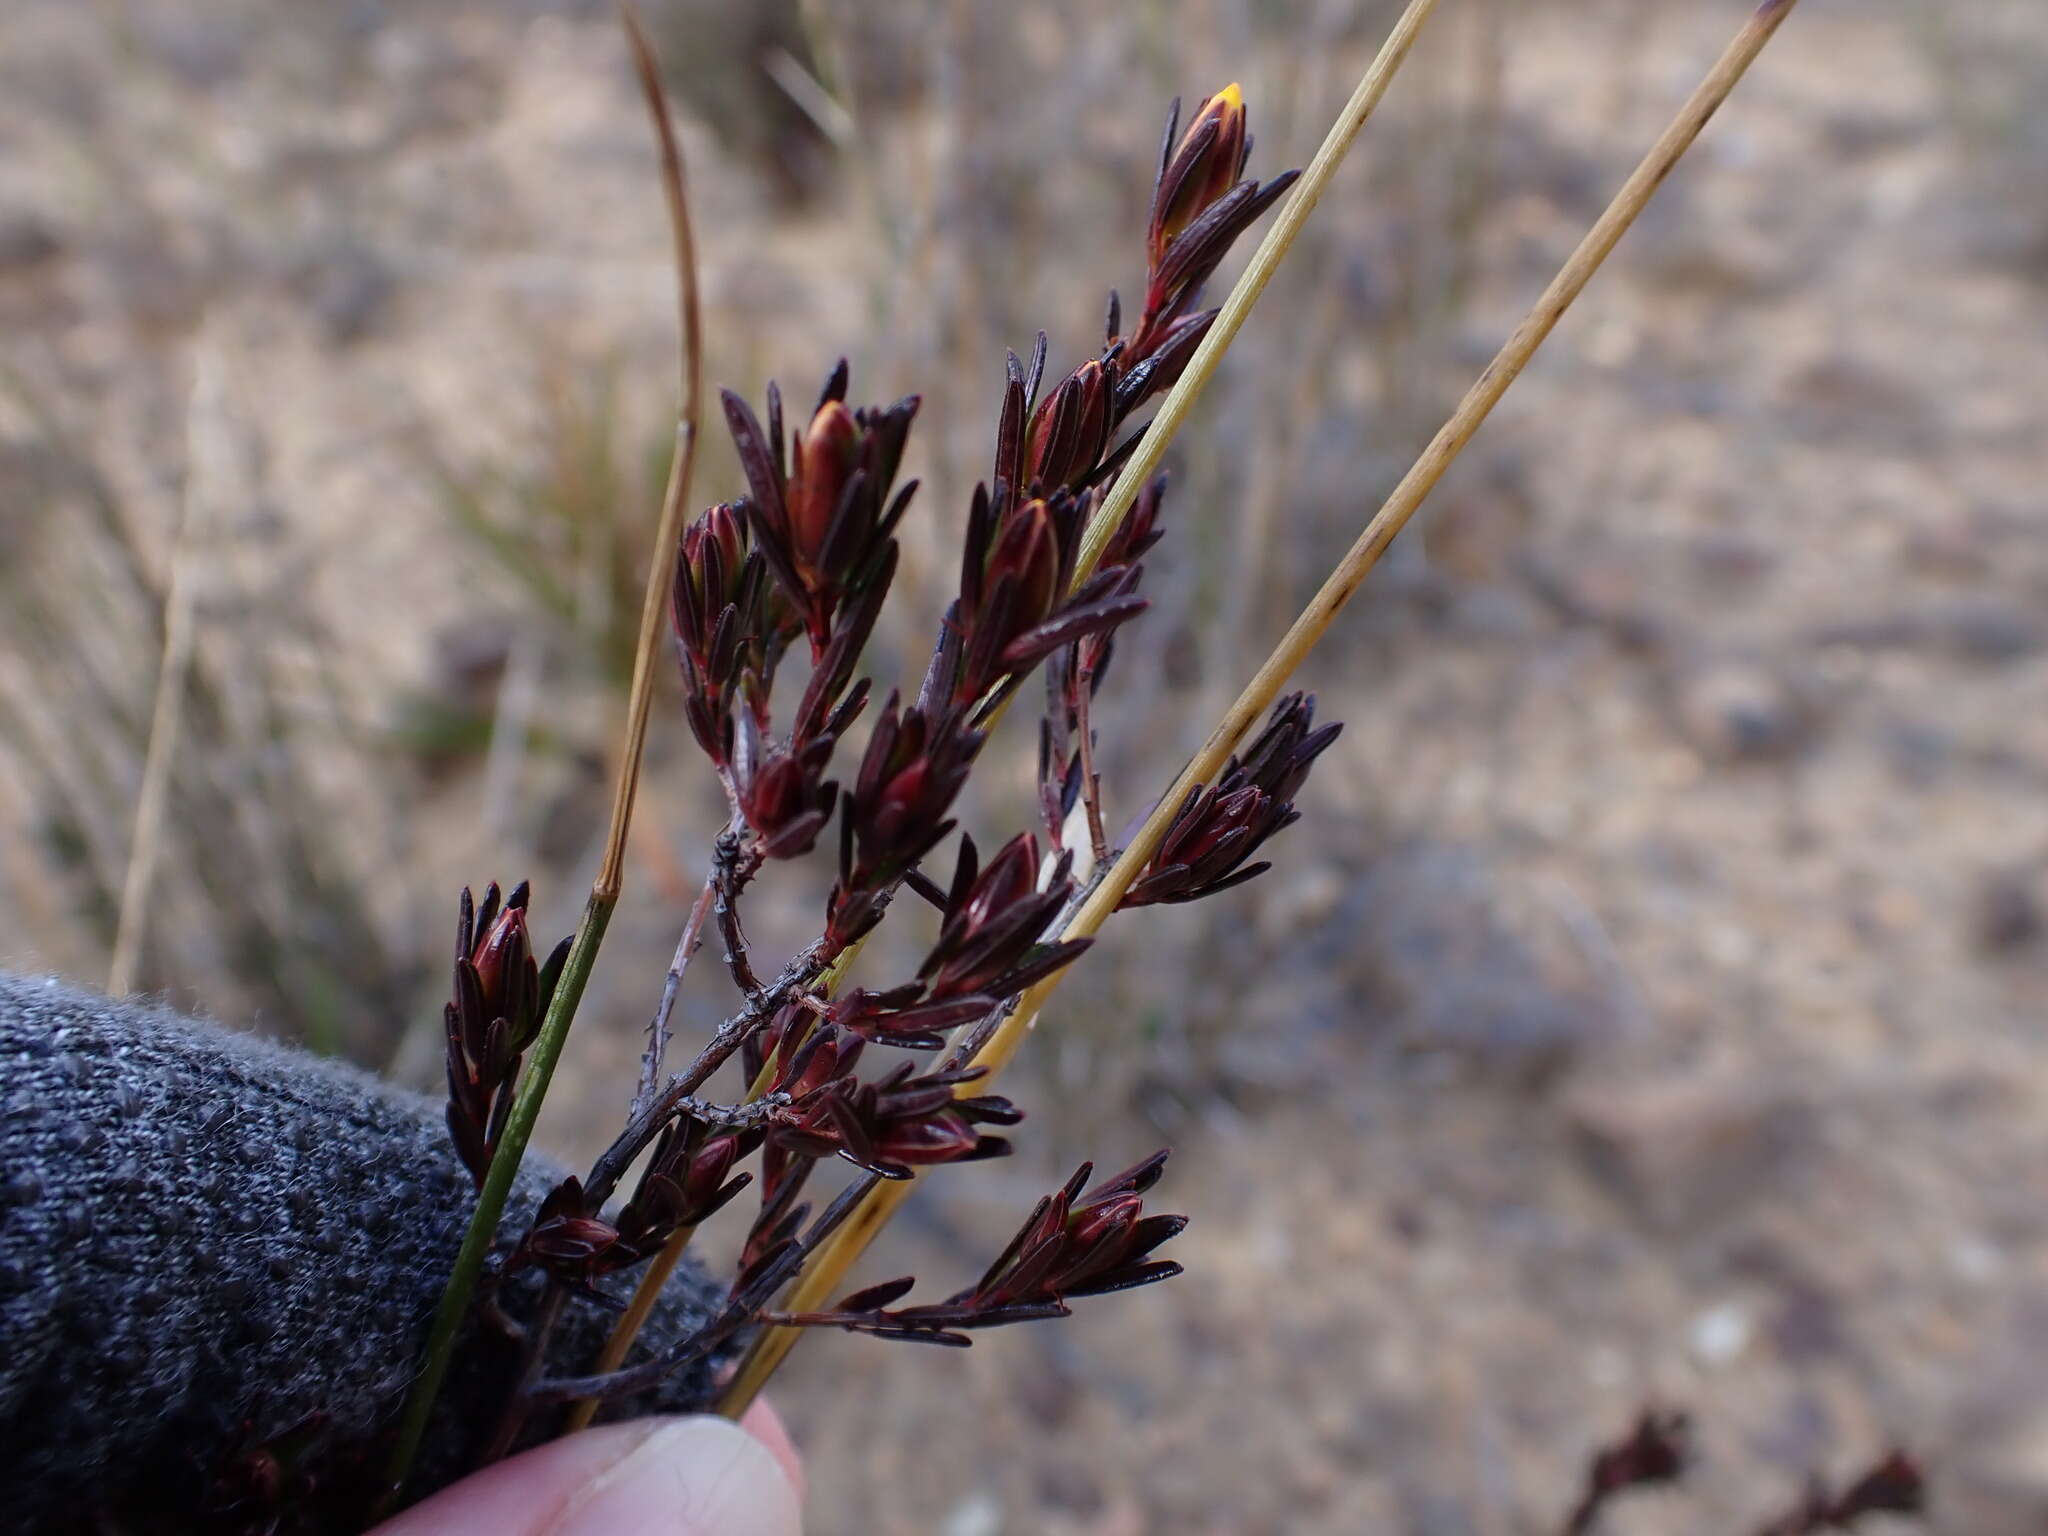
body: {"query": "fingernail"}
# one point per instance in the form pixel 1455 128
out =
pixel 700 1476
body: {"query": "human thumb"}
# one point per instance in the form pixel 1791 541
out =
pixel 698 1476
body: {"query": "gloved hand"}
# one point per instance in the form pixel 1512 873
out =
pixel 211 1246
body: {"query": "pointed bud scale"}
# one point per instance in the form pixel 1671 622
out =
pixel 1027 553
pixel 824 523
pixel 505 970
pixel 730 626
pixel 945 1137
pixel 992 942
pixel 826 454
pixel 1203 166
pixel 1070 429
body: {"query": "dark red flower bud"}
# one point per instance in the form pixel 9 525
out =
pixel 1071 1245
pixel 1204 165
pixel 1199 208
pixel 902 1017
pixel 506 978
pixel 996 919
pixel 1014 608
pixel 913 1121
pixel 685 1182
pixel 731 626
pixel 791 1022
pixel 571 1242
pixel 1084 1245
pixel 945 1137
pixel 568 1241
pixel 824 1058
pixel 1070 430
pixel 500 1001
pixel 783 792
pixel 713 552
pixel 1027 553
pixel 889 1127
pixel 826 456
pixel 1655 1451
pixel 897 812
pixel 1140 529
pixel 1894 1486
pixel 1219 826
pixel 709 1167
pixel 825 523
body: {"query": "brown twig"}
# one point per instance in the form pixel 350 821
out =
pixel 734 862
pixel 826 1271
pixel 1091 781
pixel 657 1027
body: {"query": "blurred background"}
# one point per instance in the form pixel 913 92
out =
pixel 1648 1008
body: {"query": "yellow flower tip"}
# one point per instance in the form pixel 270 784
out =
pixel 1231 97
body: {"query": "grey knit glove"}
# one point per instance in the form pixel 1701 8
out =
pixel 208 1242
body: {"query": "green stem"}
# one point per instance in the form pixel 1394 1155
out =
pixel 490 1205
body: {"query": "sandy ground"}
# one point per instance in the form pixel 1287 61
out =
pixel 1648 1008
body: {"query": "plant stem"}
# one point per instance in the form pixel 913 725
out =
pixel 657 1028
pixel 660 571
pixel 733 868
pixel 604 891
pixel 513 1418
pixel 1091 782
pixel 824 1273
pixel 631 1321
pixel 168 712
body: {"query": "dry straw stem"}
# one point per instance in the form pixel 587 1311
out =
pixel 604 891
pixel 823 1275
pixel 167 716
pixel 676 496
